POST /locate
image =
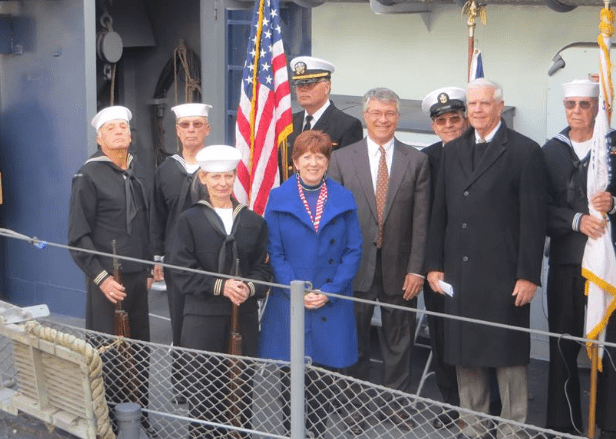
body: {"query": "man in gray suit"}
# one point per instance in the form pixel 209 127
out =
pixel 391 185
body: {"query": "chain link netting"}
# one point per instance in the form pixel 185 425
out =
pixel 230 396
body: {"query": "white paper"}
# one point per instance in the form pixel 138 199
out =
pixel 447 288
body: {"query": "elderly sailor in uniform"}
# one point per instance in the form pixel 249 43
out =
pixel 213 235
pixel 171 195
pixel 312 80
pixel 569 226
pixel 108 203
pixel 445 107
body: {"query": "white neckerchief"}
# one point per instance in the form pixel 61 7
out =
pixel 374 155
pixel 226 215
pixel 582 148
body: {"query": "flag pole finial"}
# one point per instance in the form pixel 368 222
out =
pixel 473 9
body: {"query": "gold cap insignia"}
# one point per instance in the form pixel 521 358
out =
pixel 443 98
pixel 300 68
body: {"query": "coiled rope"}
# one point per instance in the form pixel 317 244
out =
pixel 95 371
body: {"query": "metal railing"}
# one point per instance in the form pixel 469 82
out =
pixel 266 399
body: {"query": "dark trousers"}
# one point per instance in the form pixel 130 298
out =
pixel 446 378
pixel 566 308
pixel 398 329
pixel 606 388
pixel 219 389
pixel 318 400
pixel 100 311
pixel 176 313
pixel 125 368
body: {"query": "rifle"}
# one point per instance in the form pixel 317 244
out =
pixel 235 369
pixel 121 325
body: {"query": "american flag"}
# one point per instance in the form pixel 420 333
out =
pixel 264 116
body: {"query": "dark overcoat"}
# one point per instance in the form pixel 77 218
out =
pixel 328 258
pixel 487 230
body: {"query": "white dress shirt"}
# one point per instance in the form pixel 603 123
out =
pixel 316 116
pixel 374 155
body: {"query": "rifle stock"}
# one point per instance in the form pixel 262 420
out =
pixel 235 367
pixel 121 326
pixel 235 338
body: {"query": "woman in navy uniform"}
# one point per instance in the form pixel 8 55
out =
pixel 213 235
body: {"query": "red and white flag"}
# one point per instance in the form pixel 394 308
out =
pixel 264 117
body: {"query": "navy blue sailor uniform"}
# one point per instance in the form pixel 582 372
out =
pixel 202 243
pixel 567 202
pixel 109 203
pixel 173 192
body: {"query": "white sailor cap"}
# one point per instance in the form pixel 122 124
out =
pixel 191 110
pixel 444 100
pixel 111 113
pixel 582 88
pixel 218 158
pixel 307 69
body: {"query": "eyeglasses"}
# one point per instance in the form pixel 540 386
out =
pixel 442 120
pixel 570 104
pixel 197 124
pixel 379 114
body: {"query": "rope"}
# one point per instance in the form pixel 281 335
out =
pixel 95 371
pixel 190 85
pixel 606 26
pixel 113 76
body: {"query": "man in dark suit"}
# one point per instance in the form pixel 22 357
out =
pixel 446 107
pixel 569 225
pixel 486 234
pixel 312 80
pixel 391 185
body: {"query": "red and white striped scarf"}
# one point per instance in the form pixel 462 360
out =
pixel 320 203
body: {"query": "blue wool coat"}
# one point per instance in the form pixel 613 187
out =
pixel 329 259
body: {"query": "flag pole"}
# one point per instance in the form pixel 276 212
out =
pixel 592 403
pixel 606 26
pixel 284 157
pixel 472 9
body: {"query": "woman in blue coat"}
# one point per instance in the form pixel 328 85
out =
pixel 314 235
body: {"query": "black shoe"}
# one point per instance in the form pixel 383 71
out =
pixel 151 432
pixel 445 420
pixel 355 423
pixel 401 419
pixel 178 399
